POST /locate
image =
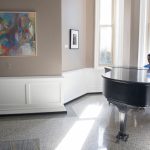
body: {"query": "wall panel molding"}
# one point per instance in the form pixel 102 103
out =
pixel 30 95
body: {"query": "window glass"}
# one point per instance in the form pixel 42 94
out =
pixel 105 32
pixel 105 12
pixel 105 53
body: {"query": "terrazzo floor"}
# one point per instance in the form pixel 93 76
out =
pixel 90 124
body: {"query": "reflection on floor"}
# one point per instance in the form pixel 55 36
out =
pixel 90 124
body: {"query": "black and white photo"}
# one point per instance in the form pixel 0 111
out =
pixel 74 39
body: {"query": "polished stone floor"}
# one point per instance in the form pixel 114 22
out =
pixel 90 124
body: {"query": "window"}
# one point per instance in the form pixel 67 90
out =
pixel 104 32
pixel 144 33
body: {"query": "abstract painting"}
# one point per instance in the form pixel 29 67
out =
pixel 17 34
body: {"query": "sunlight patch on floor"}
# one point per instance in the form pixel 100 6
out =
pixel 91 111
pixel 76 137
pixel 101 139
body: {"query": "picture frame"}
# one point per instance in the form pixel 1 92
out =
pixel 74 39
pixel 17 34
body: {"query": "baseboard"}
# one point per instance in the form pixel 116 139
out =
pixel 93 93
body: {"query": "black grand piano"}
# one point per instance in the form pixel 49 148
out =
pixel 126 88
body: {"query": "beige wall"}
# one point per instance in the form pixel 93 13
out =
pixel 53 53
pixel 73 17
pixel 90 27
pixel 48 59
pixel 126 33
pixel 131 32
pixel 135 20
pixel 78 14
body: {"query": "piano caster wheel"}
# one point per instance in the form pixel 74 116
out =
pixel 122 136
pixel 141 109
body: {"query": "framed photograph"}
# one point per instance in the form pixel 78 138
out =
pixel 18 34
pixel 74 39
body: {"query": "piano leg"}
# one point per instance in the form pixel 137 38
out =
pixel 123 109
pixel 122 133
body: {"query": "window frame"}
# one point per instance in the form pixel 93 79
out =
pixel 97 34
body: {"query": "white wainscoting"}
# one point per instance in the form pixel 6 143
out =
pixel 19 95
pixel 30 95
pixel 79 82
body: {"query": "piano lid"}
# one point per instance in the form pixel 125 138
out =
pixel 129 75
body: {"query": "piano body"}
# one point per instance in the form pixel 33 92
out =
pixel 126 88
